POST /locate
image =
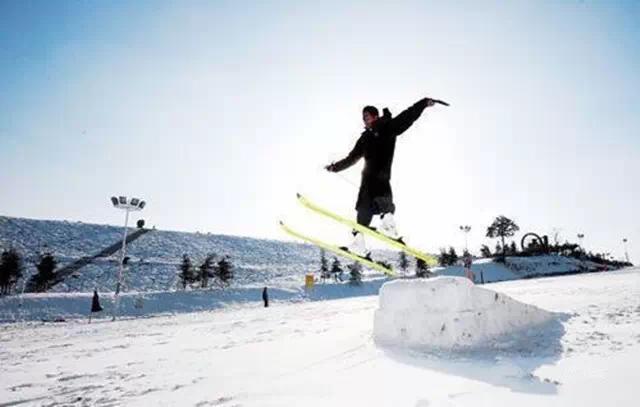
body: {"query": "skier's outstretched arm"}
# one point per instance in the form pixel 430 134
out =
pixel 404 120
pixel 356 154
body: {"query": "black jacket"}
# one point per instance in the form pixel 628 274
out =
pixel 377 146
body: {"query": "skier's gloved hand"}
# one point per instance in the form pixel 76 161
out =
pixel 331 167
pixel 430 102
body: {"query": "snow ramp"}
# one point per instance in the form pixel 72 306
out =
pixel 451 313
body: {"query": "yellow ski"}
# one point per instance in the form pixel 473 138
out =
pixel 340 252
pixel 429 259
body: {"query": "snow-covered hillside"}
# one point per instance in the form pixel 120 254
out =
pixel 322 353
pixel 155 256
pixel 515 268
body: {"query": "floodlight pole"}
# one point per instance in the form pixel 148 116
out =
pixel 133 204
pixel 466 229
pixel 121 266
pixel 626 252
pixel 466 241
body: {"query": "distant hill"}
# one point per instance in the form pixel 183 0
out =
pixel 154 256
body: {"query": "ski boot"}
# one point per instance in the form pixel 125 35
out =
pixel 358 246
pixel 388 227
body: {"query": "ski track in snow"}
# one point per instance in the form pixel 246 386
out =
pixel 322 353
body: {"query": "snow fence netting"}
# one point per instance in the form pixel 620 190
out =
pixel 450 313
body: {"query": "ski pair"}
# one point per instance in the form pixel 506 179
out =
pixel 398 244
pixel 428 259
pixel 338 251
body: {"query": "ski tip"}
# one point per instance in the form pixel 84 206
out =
pixel 281 223
pixel 298 195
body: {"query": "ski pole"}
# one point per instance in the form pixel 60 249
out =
pixel 342 177
pixel 347 180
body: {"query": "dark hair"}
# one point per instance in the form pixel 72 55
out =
pixel 372 110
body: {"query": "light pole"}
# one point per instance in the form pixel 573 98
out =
pixel 465 229
pixel 128 205
pixel 580 238
pixel 556 235
pixel 626 253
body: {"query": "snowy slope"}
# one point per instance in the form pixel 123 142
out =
pixel 515 268
pixel 66 240
pixel 322 354
pixel 155 256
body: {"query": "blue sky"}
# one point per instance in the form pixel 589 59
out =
pixel 218 112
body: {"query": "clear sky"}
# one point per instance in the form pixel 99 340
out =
pixel 218 112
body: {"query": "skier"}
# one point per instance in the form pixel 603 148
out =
pixel 377 145
pixel 265 297
pixel 95 304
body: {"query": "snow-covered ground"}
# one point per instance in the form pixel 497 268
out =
pixel 515 268
pixel 321 353
pixel 67 306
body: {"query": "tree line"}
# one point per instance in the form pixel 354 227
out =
pixel 336 271
pixel 212 268
pixel 503 228
pixel 12 268
pixel 219 270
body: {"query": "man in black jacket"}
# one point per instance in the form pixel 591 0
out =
pixel 377 145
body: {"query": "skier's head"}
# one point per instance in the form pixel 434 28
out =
pixel 369 116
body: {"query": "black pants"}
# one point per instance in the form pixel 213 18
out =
pixel 375 197
pixel 376 206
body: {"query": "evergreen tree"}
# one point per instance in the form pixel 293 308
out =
pixel 224 271
pixel 46 272
pixel 514 248
pixel 447 258
pixel 324 266
pixel 443 258
pixel 186 274
pixel 453 256
pixel 403 262
pixel 336 269
pixel 10 270
pixel 422 269
pixel 205 271
pixel 502 227
pixel 485 251
pixel 355 273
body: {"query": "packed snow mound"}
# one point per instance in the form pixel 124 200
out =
pixel 450 313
